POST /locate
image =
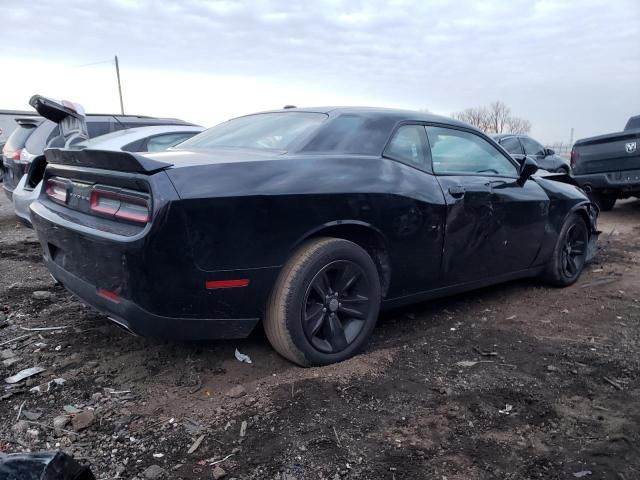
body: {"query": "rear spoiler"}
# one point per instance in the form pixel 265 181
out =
pixel 104 159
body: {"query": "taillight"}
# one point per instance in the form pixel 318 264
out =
pixel 120 205
pixel 573 157
pixel 57 190
pixel 16 155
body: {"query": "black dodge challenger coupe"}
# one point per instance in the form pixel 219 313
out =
pixel 310 220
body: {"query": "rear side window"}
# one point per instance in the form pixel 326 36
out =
pixel 512 145
pixel 353 134
pixel 633 123
pixel 409 145
pixel 456 152
pixel 95 129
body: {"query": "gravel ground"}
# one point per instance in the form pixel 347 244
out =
pixel 515 381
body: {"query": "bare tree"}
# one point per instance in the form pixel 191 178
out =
pixel 496 118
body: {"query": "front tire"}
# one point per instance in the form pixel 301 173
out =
pixel 324 304
pixel 570 253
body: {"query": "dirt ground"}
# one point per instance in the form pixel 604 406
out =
pixel 516 381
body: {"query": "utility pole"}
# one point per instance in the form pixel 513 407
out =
pixel 119 86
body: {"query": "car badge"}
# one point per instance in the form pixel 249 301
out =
pixel 630 147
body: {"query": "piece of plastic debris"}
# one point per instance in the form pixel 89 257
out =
pixel 583 473
pixel 511 317
pixel 195 444
pixel 506 410
pixel 158 455
pixel 243 428
pixel 466 363
pixel 22 374
pixel 45 387
pixel 241 357
pixel 71 409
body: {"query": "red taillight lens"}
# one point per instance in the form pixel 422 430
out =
pixel 573 158
pixel 57 191
pixel 16 155
pixel 120 205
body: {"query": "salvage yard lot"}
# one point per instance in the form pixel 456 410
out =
pixel 514 381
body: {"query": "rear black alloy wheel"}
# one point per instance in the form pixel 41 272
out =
pixel 324 304
pixel 336 305
pixel 570 253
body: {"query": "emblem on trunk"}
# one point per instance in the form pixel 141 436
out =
pixel 630 147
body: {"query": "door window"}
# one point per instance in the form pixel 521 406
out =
pixel 456 152
pixel 512 145
pixel 409 145
pixel 531 147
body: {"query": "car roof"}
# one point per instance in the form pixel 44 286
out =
pixel 123 137
pixel 379 112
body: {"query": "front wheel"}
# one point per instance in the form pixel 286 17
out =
pixel 570 253
pixel 325 303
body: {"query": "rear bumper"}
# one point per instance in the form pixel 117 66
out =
pixel 22 199
pixel 141 322
pixel 626 180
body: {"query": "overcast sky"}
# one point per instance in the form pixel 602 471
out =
pixel 560 64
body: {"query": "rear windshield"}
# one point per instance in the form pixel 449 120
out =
pixel 265 131
pixel 633 123
pixel 19 136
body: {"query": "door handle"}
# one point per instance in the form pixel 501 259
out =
pixel 457 191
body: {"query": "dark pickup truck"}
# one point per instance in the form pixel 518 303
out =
pixel 607 167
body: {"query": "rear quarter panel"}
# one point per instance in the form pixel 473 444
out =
pixel 252 215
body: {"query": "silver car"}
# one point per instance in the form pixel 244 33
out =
pixel 139 139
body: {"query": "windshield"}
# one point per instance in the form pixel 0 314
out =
pixel 265 131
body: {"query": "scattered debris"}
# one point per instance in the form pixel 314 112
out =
pixel 219 472
pixel 42 295
pixel 154 472
pixel 31 415
pixel 60 422
pixel 243 428
pixel 241 357
pixel 614 383
pixel 83 420
pixel 45 387
pixel 71 409
pixel 601 281
pixel 26 373
pixel 20 410
pixel 485 353
pixel 512 317
pixel 583 473
pixel 237 392
pixel 222 460
pixel 508 409
pixel 552 368
pixel 158 455
pixel 42 329
pixel 194 446
pixel 7 342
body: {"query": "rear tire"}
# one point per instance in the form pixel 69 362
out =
pixel 325 303
pixel 570 253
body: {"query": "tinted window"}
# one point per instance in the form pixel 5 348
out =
pixel 95 129
pixel 633 123
pixel 409 145
pixel 512 145
pixel 458 152
pixel 162 142
pixel 354 134
pixel 265 131
pixel 531 147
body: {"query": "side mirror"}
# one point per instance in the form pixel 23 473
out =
pixel 548 151
pixel 527 168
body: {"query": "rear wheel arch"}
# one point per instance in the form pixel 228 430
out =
pixel 362 234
